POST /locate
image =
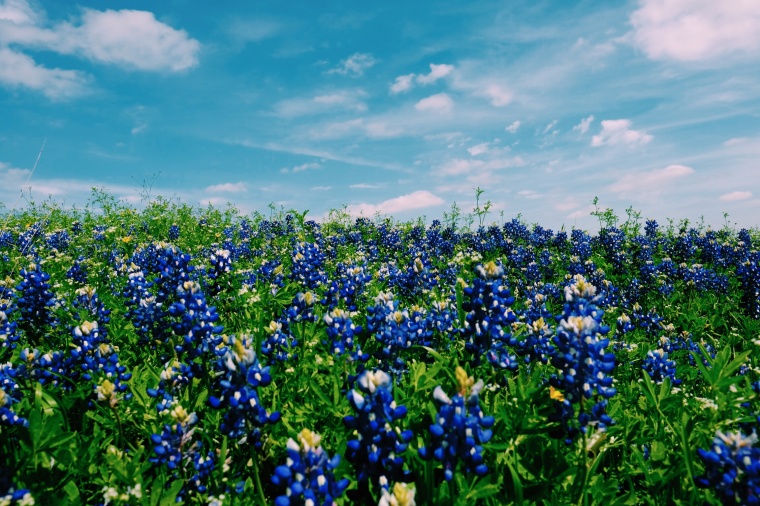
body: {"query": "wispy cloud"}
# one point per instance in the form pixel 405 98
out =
pixel 406 82
pixel 440 102
pixel 238 187
pixel 498 95
pixel 478 149
pixel 618 131
pixel 345 100
pixel 652 182
pixel 129 38
pixel 413 201
pixel 354 65
pixel 20 70
pixel 320 188
pixel 737 195
pixel 366 186
pixel 513 127
pixel 584 125
pixel 696 30
pixel 300 168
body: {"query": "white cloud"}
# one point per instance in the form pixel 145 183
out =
pixel 478 149
pixel 238 187
pixel 354 65
pixel 406 82
pixel 737 195
pixel 213 201
pixel 497 95
pixel 402 84
pixel 320 188
pixel 353 127
pixel 440 102
pixel 436 72
pixel 366 186
pixel 584 125
pixel 300 168
pixel 459 166
pixel 348 100
pixel 696 30
pixel 735 141
pixel 18 12
pixel 513 127
pixel 129 38
pixel 139 128
pixel 549 127
pixel 617 131
pixel 18 69
pixel 529 194
pixel 652 181
pixel 417 200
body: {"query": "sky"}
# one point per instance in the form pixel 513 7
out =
pixel 396 108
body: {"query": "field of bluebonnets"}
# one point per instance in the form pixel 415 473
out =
pixel 196 355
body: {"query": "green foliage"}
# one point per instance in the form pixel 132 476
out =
pixel 78 450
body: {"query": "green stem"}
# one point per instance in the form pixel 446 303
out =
pixel 259 488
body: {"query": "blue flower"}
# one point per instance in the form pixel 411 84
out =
pixel 460 429
pixel 581 357
pixel 376 451
pixel 308 476
pixel 732 468
pixel 239 375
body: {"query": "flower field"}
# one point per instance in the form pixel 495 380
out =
pixel 180 355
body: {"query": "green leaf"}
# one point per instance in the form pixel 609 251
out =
pixel 72 492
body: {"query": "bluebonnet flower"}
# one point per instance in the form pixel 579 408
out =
pixel 9 394
pixel 8 335
pixel 17 497
pixel 177 449
pixel 400 495
pixel 148 315
pixel 460 429
pixel 659 366
pixel 6 239
pixel 489 316
pixel 173 232
pixel 748 273
pixel 732 468
pixel 398 330
pixel 580 356
pixel 221 263
pixel 376 453
pixel 308 264
pixel 279 344
pixel 341 331
pixel 308 476
pixel 34 303
pixel 77 272
pixel 239 375
pixel 58 240
pixel 196 322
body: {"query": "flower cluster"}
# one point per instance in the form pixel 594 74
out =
pixel 659 366
pixel 398 329
pixel 376 453
pixel 460 429
pixel 308 477
pixel 732 468
pixel 308 265
pixel 489 315
pixel 583 363
pixel 9 394
pixel 178 450
pixel 34 303
pixel 341 331
pixel 239 376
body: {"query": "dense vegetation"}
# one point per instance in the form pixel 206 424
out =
pixel 177 354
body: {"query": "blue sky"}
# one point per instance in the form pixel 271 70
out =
pixel 401 108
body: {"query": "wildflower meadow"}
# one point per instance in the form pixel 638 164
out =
pixel 180 355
